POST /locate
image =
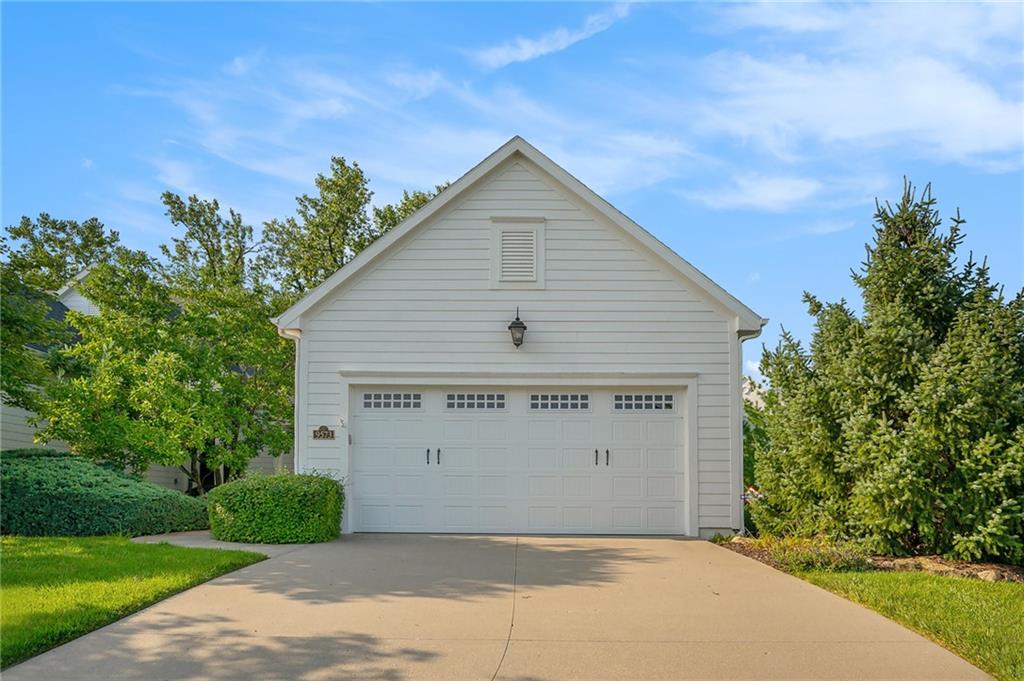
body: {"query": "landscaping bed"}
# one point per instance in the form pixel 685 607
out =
pixel 55 589
pixel 938 565
pixel 974 609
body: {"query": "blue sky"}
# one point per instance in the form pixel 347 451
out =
pixel 752 139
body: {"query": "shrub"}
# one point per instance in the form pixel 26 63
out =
pixel 277 509
pixel 52 493
pixel 796 554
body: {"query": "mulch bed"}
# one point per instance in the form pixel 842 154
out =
pixel 933 564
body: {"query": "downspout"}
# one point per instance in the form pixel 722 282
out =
pixel 294 335
pixel 744 335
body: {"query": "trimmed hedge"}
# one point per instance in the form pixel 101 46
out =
pixel 277 509
pixel 52 493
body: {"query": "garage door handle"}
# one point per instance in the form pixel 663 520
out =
pixel 595 457
pixel 428 456
pixel 606 456
pixel 438 456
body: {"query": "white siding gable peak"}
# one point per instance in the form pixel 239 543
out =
pixel 749 323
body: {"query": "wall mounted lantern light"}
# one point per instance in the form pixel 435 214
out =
pixel 518 330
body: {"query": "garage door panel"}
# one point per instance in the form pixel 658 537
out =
pixel 543 430
pixel 494 518
pixel 627 518
pixel 578 457
pixel 490 430
pixel 409 516
pixel 493 457
pixel 494 485
pixel 545 518
pixel 458 431
pixel 547 457
pixel 627 486
pixel 626 459
pixel 574 430
pixel 545 486
pixel 574 486
pixel 661 432
pixel 376 484
pixel 459 485
pixel 458 457
pixel 404 485
pixel 391 429
pixel 627 431
pixel 517 468
pixel 577 518
pixel 662 518
pixel 662 458
pixel 662 486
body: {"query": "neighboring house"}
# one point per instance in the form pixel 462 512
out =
pixel 620 412
pixel 17 433
pixel 753 393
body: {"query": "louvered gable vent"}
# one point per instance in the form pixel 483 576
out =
pixel 518 257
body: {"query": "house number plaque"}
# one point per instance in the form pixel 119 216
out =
pixel 323 433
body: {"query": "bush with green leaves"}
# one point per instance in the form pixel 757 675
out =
pixel 902 427
pixel 277 509
pixel 52 493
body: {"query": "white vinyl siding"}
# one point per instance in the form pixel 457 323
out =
pixel 17 433
pixel 607 305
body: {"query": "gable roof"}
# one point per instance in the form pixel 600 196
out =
pixel 73 281
pixel 749 321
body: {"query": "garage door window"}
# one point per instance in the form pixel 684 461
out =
pixel 559 401
pixel 643 402
pixel 475 401
pixel 392 400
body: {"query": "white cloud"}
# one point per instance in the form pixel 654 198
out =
pixel 825 226
pixel 524 49
pixel 416 84
pixel 979 32
pixel 241 65
pixel 177 175
pixel 754 191
pixel 87 163
pixel 937 81
pixel 917 103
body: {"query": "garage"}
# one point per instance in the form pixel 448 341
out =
pixel 574 460
pixel 518 356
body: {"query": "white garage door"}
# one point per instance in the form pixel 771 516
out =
pixel 517 460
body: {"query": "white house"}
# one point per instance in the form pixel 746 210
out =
pixel 620 412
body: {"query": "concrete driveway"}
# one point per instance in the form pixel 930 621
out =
pixel 393 607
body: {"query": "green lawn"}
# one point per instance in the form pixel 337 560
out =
pixel 54 589
pixel 983 622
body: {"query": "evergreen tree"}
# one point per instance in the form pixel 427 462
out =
pixel 903 427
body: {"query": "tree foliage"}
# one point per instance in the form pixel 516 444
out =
pixel 184 367
pixel 27 332
pixel 330 228
pixel 48 252
pixel 904 426
pixel 39 256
